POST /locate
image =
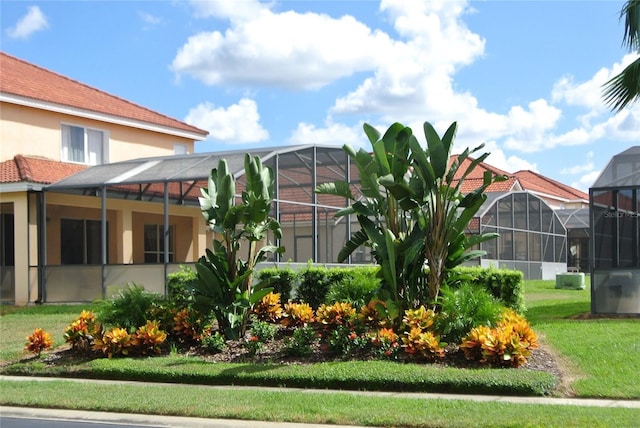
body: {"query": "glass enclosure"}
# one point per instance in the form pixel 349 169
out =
pixel 531 237
pixel 615 227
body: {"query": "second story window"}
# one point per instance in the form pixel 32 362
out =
pixel 84 145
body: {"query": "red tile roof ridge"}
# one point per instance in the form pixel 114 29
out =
pixel 24 169
pixel 178 123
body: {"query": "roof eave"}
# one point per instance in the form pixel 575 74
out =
pixel 88 114
pixel 21 186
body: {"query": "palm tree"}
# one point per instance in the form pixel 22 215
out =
pixel 625 87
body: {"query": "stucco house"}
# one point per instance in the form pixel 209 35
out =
pixel 52 127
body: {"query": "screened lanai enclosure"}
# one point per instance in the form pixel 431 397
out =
pixel 532 238
pixel 615 227
pixel 139 220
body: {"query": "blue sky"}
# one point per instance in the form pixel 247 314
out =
pixel 523 77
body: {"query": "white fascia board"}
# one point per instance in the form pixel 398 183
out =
pixel 21 186
pixel 88 114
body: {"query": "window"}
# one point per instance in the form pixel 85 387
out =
pixel 154 243
pixel 84 145
pixel 80 242
pixel 180 149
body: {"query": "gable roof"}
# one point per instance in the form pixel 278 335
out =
pixel 474 180
pixel 36 170
pixel 535 182
pixel 28 84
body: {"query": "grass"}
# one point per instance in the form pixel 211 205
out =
pixel 305 407
pixel 602 356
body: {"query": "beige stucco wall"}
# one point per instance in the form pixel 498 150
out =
pixel 35 132
pixel 126 226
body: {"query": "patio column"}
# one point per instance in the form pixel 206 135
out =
pixel 21 246
pixel 126 254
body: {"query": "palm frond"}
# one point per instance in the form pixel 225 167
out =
pixel 623 88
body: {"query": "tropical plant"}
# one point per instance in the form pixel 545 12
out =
pixel 411 209
pixel 150 338
pixel 38 341
pixel 269 308
pixel 624 88
pixel 82 331
pixel 129 308
pixel 463 308
pixel 225 279
pixel 297 315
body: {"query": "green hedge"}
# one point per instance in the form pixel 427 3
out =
pixel 315 282
pixel 504 284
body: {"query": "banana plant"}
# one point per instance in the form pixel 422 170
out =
pixel 411 210
pixel 383 210
pixel 225 283
pixel 446 212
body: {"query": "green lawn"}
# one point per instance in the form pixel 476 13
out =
pixel 601 356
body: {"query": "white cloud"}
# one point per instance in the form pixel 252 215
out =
pixel 149 19
pixel 333 134
pixel 586 181
pixel 579 169
pixel 500 160
pixel 32 22
pixel 236 124
pixel 589 93
pixel 291 50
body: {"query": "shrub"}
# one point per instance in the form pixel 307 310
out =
pixel 358 286
pixel 335 315
pixel 188 325
pixel 509 344
pixel 506 285
pixel 314 286
pixel 269 308
pixel 261 333
pixel 180 286
pixel 281 280
pixel 375 315
pixel 116 341
pixel 422 343
pixel 463 308
pixel 38 341
pixel 129 309
pixel 264 331
pixel 297 315
pixel 420 318
pixel 214 342
pixel 82 331
pixel 386 342
pixel 301 342
pixel 344 341
pixel 150 338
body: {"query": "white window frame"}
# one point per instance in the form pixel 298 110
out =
pixel 65 149
pixel 180 149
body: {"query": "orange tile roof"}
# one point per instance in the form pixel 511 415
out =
pixel 535 182
pixel 36 170
pixel 27 80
